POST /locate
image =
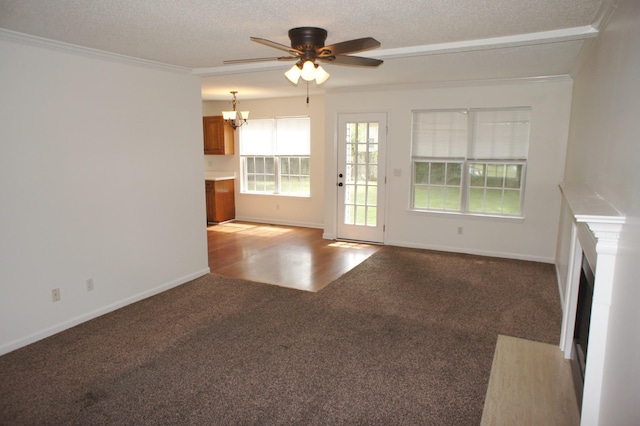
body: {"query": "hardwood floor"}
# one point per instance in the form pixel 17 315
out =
pixel 530 384
pixel 287 256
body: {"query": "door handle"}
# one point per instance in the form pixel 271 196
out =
pixel 340 175
pixel 340 184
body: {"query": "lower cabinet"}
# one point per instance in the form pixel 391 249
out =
pixel 220 197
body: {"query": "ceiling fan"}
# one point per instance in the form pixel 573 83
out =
pixel 307 47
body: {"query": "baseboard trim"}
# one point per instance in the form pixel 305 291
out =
pixel 57 328
pixel 265 221
pixel 516 256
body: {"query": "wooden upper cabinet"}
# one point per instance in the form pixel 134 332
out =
pixel 218 137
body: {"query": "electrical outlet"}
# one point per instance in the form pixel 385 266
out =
pixel 459 230
pixel 90 284
pixel 55 294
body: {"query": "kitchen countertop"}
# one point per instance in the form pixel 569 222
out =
pixel 211 175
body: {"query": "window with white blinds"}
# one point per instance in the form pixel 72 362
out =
pixel 470 160
pixel 275 156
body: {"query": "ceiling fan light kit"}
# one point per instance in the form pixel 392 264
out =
pixel 307 47
pixel 308 71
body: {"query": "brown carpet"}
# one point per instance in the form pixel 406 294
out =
pixel 405 338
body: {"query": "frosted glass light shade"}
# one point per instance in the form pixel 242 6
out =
pixel 229 115
pixel 308 71
pixel 293 75
pixel 321 75
pixel 244 115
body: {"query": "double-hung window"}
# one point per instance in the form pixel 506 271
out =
pixel 275 156
pixel 470 160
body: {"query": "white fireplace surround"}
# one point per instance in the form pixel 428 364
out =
pixel 595 231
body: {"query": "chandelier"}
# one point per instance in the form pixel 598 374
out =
pixel 235 118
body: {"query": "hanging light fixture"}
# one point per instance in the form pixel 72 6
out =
pixel 308 70
pixel 235 118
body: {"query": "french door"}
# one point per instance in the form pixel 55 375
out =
pixel 361 176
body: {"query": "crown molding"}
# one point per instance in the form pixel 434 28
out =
pixel 449 84
pixel 530 39
pixel 606 9
pixel 12 36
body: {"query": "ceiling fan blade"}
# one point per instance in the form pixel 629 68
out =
pixel 245 61
pixel 350 46
pixel 358 61
pixel 275 45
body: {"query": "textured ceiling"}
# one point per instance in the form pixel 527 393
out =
pixel 422 40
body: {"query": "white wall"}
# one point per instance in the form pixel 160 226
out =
pixel 100 177
pixel 531 238
pixel 300 211
pixel 604 151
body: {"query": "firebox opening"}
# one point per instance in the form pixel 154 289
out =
pixel 581 330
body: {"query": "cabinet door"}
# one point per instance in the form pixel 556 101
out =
pixel 218 137
pixel 225 200
pixel 210 193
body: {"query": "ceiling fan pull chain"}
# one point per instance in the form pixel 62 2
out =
pixel 307 91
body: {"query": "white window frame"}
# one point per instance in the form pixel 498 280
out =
pixel 454 151
pixel 264 146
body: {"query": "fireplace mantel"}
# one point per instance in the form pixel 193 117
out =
pixel 595 230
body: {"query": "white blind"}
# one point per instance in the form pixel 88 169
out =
pixel 280 136
pixel 501 134
pixel 293 136
pixel 257 137
pixel 439 134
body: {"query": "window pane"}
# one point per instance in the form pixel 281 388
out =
pixel 454 173
pixel 350 174
pixel 285 184
pixel 373 175
pixel 437 173
pixel 305 185
pixel 268 165
pixel 453 198
pixel 284 166
pixel 476 174
pixel 305 166
pixel 493 201
pixel 361 195
pixel 259 165
pixel 295 166
pixel 421 197
pixel 495 175
pixel 270 183
pixel 436 197
pixel 372 196
pixel 476 200
pixel 421 174
pixel 372 219
pixel 349 194
pixel 360 212
pixel 513 176
pixel 362 153
pixel 511 202
pixel 362 134
pixel 349 214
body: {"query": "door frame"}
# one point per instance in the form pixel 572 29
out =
pixel 362 116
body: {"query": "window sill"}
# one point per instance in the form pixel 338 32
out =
pixel 263 194
pixel 473 216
